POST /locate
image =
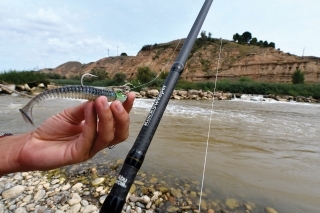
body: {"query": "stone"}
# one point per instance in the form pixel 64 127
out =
pixel 90 208
pixel 75 208
pixel 176 193
pixel 153 180
pixel 27 198
pixel 39 195
pixel 84 203
pixel 172 209
pixel 102 198
pixel 20 210
pixel 77 186
pixel 145 199
pixel 18 177
pixel 12 192
pixel 75 199
pixel 232 203
pixel 98 181
pixel 65 187
pixel 270 210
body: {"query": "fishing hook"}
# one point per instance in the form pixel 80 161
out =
pixel 81 81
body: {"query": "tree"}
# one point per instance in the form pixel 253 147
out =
pixel 145 74
pixel 265 44
pixel 236 37
pixel 254 41
pixel 297 77
pixel 100 73
pixel 203 34
pixel 272 44
pixel 119 78
pixel 246 37
pixel 123 54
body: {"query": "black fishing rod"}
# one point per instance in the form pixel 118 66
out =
pixel 117 197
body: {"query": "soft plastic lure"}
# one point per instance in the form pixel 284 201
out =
pixel 72 92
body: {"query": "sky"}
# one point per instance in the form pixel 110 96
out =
pixel 36 34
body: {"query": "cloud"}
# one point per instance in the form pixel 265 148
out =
pixel 45 34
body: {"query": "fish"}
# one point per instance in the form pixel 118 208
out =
pixel 71 92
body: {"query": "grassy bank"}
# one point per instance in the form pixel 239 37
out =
pixel 243 85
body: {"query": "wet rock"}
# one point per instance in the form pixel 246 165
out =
pixel 153 180
pixel 13 192
pixel 176 193
pixel 270 210
pixel 172 209
pixel 232 203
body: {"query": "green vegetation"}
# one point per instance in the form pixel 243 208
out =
pixel 298 77
pixel 16 77
pixel 145 75
pixel 246 38
pixel 123 54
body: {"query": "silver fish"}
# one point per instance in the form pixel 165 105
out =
pixel 73 92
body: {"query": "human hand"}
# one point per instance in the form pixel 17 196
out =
pixel 76 134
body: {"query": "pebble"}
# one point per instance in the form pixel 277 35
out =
pixel 98 181
pixel 13 192
pixel 90 208
pixel 20 210
pixel 66 187
pixel 39 195
pixel 101 199
pixel 75 199
pixel 82 192
pixel 75 208
pixel 77 186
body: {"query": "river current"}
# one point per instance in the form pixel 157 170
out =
pixel 264 152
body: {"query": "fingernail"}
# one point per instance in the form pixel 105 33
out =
pixel 105 103
pixel 119 106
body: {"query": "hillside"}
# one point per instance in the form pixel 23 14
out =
pixel 260 64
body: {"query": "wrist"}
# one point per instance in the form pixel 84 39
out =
pixel 10 148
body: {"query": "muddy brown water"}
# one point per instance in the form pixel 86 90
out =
pixel 264 152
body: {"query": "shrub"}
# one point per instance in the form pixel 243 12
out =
pixel 297 77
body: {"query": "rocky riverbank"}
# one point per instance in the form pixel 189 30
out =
pixel 77 190
pixel 33 90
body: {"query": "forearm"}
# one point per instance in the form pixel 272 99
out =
pixel 10 148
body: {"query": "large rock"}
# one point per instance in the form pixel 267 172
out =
pixel 152 93
pixel 9 88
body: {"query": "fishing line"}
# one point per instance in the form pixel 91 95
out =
pixel 162 69
pixel 210 118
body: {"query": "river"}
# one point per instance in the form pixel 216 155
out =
pixel 264 152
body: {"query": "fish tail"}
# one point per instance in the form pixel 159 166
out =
pixel 26 113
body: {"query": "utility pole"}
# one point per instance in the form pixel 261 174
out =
pixel 117 50
pixel 108 52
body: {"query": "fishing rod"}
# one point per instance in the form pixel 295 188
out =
pixel 117 197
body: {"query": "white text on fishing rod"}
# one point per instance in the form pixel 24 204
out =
pixel 122 181
pixel 154 107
